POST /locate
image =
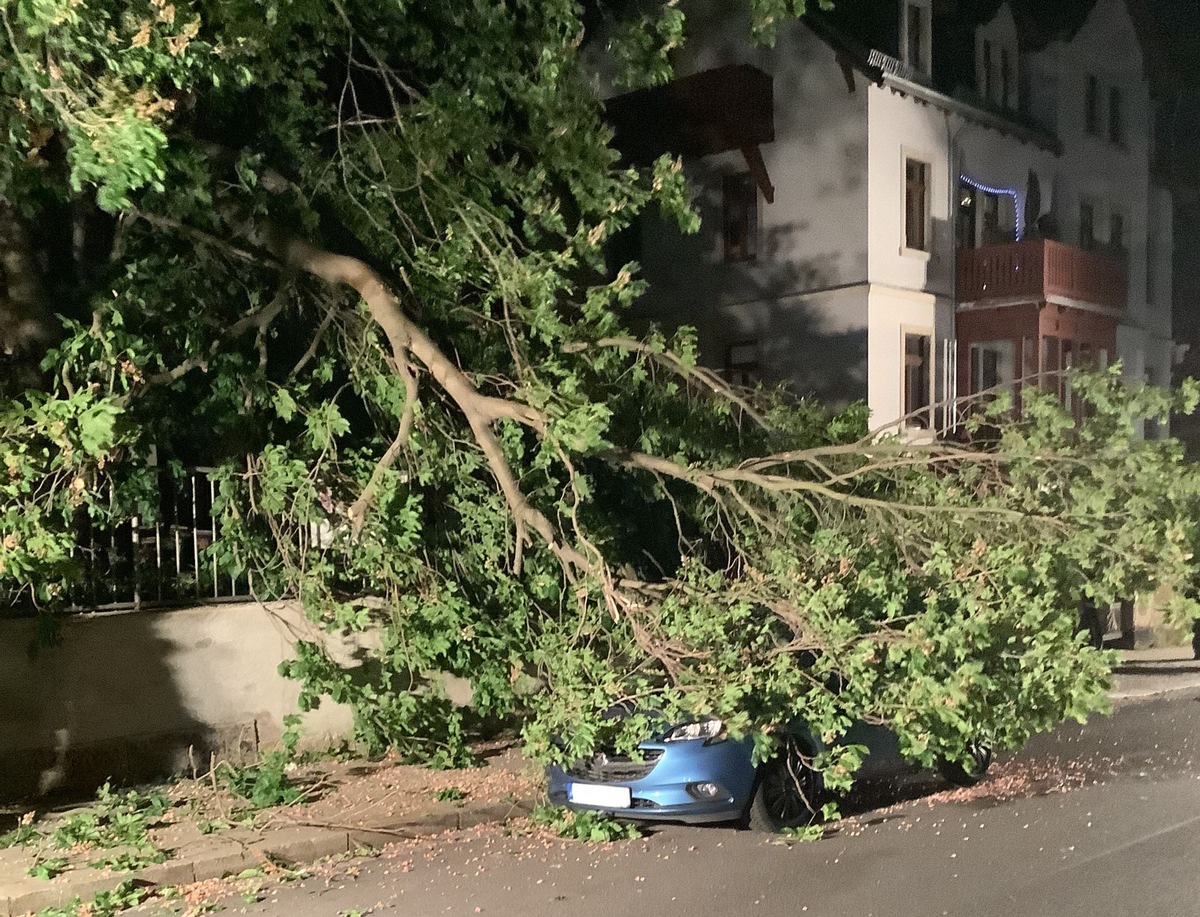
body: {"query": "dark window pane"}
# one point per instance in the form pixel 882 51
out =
pixel 916 48
pixel 918 376
pixel 1092 106
pixel 987 70
pixel 916 194
pixel 1005 76
pixel 967 210
pixel 1116 129
pixel 740 217
pixel 1087 226
pixel 1116 231
pixel 741 363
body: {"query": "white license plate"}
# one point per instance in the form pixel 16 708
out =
pixel 607 797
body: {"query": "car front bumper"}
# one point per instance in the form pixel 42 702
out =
pixel 664 787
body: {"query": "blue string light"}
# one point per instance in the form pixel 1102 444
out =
pixel 1010 192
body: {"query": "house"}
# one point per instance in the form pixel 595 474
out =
pixel 909 201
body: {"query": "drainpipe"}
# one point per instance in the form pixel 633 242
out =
pixel 952 159
pixel 950 383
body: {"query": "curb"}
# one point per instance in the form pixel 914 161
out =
pixel 1120 698
pixel 218 856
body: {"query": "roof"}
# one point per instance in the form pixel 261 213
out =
pixel 726 108
pixel 884 68
pixel 1039 23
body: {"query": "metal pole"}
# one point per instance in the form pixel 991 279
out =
pixel 135 526
pixel 212 519
pixel 195 538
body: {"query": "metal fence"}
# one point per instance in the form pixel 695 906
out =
pixel 142 564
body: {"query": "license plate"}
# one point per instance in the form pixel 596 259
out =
pixel 606 797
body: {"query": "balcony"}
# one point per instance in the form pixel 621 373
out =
pixel 1037 270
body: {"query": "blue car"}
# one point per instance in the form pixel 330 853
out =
pixel 695 773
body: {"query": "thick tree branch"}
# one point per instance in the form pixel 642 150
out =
pixel 698 375
pixel 480 410
pixel 358 509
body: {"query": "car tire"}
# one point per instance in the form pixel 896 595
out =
pixel 787 794
pixel 980 759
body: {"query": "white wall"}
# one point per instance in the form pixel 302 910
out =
pixel 1160 249
pixel 892 313
pixel 817 342
pixel 900 126
pixel 910 291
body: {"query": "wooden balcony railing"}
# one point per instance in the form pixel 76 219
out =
pixel 1039 268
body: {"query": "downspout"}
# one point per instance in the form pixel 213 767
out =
pixel 952 137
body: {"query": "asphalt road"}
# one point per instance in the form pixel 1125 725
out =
pixel 1100 819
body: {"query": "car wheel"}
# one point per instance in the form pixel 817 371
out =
pixel 979 759
pixel 787 794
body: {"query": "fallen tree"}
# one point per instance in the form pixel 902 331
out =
pixel 354 255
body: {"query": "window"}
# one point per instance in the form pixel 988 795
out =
pixel 1092 106
pixel 1116 231
pixel 1066 394
pixel 991 219
pixel 1151 269
pixel 1116 128
pixel 1005 76
pixel 1049 368
pixel 1087 226
pixel 916 37
pixel 918 379
pixel 916 205
pixel 968 210
pixel 741 363
pixel 992 365
pixel 987 70
pixel 740 195
pixel 1154 429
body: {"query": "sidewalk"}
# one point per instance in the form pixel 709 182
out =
pixel 356 805
pixel 1148 673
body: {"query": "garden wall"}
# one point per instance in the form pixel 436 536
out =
pixel 143 694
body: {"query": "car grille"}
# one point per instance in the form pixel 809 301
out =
pixel 608 767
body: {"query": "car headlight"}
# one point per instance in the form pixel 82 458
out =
pixel 712 731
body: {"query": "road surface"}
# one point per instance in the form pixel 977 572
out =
pixel 1099 819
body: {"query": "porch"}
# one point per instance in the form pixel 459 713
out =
pixel 1042 270
pixel 1033 309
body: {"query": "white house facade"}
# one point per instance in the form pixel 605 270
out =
pixel 879 224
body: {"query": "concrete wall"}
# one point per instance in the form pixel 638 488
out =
pixel 127 695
